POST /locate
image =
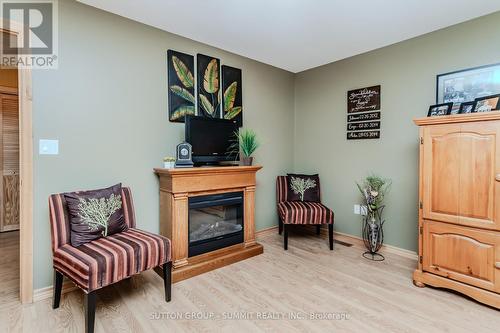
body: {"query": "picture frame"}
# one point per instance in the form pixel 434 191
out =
pixel 467 84
pixel 466 107
pixel 442 109
pixel 232 94
pixel 487 103
pixel 181 100
pixel 208 86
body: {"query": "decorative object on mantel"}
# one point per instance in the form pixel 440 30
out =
pixel 232 97
pixel 183 154
pixel 467 85
pixel 486 103
pixel 246 143
pixel 180 68
pixel 439 110
pixel 365 125
pixel 208 69
pixel 373 189
pixel 169 162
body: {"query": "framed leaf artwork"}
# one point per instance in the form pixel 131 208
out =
pixel 208 80
pixel 232 103
pixel 181 100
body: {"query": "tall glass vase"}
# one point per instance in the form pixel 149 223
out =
pixel 373 234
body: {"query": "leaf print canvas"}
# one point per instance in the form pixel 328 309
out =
pixel 208 82
pixel 181 100
pixel 232 94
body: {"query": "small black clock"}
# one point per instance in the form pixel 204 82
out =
pixel 183 155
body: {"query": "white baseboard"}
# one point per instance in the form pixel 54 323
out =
pixel 388 248
pixel 47 292
pixel 266 231
pixel 351 239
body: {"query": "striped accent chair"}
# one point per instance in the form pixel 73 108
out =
pixel 301 213
pixel 106 260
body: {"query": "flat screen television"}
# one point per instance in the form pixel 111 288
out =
pixel 211 139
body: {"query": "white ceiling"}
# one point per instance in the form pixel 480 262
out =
pixel 298 34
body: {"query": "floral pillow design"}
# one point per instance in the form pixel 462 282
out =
pixel 95 214
pixel 303 187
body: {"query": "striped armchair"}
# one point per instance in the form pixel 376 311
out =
pixel 106 260
pixel 301 213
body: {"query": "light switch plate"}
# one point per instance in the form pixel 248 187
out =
pixel 357 209
pixel 48 147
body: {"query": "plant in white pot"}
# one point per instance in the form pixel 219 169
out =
pixel 245 143
pixel 169 162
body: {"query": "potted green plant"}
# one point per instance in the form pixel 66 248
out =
pixel 169 162
pixel 245 143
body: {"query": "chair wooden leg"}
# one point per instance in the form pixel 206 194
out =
pixel 280 226
pixel 58 280
pixel 286 235
pixel 167 280
pixel 330 235
pixel 89 304
pixel 318 229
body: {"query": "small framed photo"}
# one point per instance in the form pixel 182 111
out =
pixel 487 103
pixel 467 107
pixel 439 109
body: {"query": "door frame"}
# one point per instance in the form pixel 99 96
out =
pixel 25 94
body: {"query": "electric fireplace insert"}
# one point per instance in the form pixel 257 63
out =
pixel 215 222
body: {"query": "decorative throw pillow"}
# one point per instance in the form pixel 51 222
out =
pixel 95 214
pixel 303 187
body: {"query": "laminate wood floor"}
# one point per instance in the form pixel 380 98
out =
pixel 9 267
pixel 277 291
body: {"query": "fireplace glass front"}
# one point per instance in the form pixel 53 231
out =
pixel 215 221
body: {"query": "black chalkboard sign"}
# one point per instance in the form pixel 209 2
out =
pixel 368 125
pixel 364 99
pixel 363 135
pixel 364 116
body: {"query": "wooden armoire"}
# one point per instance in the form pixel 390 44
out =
pixel 459 215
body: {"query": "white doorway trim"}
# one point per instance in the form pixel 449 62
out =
pixel 26 175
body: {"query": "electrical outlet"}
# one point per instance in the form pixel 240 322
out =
pixel 357 209
pixel 364 210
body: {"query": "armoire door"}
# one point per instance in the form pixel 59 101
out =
pixel 441 171
pixel 9 162
pixel 461 253
pixel 480 175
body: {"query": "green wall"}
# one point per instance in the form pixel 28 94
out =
pixel 407 72
pixel 107 105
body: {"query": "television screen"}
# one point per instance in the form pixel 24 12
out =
pixel 210 138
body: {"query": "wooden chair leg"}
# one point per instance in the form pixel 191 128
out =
pixel 286 235
pixel 280 226
pixel 89 304
pixel 330 235
pixel 167 280
pixel 58 280
pixel 318 229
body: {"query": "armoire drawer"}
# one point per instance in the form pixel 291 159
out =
pixel 464 254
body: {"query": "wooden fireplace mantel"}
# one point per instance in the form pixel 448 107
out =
pixel 176 186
